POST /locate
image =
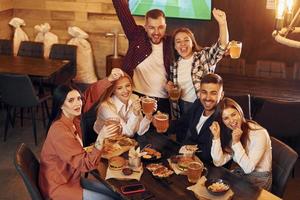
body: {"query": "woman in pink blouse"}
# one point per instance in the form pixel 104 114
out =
pixel 63 158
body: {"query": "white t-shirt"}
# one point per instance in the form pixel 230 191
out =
pixel 184 79
pixel 150 76
pixel 202 120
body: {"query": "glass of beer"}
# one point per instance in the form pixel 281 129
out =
pixel 174 93
pixel 114 121
pixel 194 171
pixel 148 105
pixel 235 49
pixel 161 122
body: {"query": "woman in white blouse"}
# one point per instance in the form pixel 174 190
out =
pixel 250 146
pixel 119 102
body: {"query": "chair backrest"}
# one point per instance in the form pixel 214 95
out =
pixel 64 52
pixel 17 90
pixel 270 69
pixel 280 118
pixel 231 66
pixel 31 49
pixel 296 71
pixel 6 47
pixel 88 119
pixel 245 102
pixel 28 168
pixel 283 161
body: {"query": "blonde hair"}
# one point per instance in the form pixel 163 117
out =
pixel 106 96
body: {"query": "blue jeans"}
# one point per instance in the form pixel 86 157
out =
pixel 260 179
pixel 93 190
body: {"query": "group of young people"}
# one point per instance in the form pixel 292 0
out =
pixel 154 63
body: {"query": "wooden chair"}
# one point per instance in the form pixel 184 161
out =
pixel 296 71
pixel 31 49
pixel 6 47
pixel 270 69
pixel 231 66
pixel 18 92
pixel 28 166
pixel 283 161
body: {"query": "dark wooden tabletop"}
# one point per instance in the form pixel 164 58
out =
pixel 278 89
pixel 40 67
pixel 174 187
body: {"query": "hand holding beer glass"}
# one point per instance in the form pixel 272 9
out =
pixel 235 49
pixel 175 93
pixel 114 121
pixel 161 122
pixel 148 105
pixel 194 171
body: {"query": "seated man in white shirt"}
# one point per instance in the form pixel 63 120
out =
pixel 119 103
pixel 193 126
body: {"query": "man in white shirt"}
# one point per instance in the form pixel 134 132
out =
pixel 193 127
pixel 148 57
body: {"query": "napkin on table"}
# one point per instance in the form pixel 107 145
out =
pixel 118 174
pixel 201 192
pixel 188 149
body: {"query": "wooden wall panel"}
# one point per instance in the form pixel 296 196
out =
pixel 6 5
pixel 248 21
pixel 6 13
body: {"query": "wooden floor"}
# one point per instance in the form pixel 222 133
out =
pixel 11 185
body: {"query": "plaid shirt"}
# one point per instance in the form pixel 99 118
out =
pixel 203 63
pixel 139 44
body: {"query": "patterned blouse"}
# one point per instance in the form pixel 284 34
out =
pixel 204 62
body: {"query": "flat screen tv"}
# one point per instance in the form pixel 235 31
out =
pixel 186 9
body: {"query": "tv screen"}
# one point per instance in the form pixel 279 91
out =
pixel 187 9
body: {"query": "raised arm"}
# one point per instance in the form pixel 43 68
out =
pixel 95 91
pixel 220 16
pixel 125 17
pixel 219 157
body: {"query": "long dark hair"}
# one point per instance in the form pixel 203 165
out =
pixel 59 96
pixel 195 47
pixel 230 103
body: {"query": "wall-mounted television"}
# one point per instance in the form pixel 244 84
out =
pixel 186 9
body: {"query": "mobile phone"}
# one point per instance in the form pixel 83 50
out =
pixel 132 188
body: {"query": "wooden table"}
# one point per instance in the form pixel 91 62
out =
pixel 39 67
pixel 278 89
pixel 175 186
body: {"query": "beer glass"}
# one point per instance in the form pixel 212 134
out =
pixel 235 49
pixel 114 121
pixel 175 93
pixel 148 105
pixel 194 171
pixel 161 122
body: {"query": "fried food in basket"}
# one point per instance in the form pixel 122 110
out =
pixel 159 170
pixel 218 187
pixel 151 153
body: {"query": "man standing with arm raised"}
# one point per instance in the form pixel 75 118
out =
pixel 149 53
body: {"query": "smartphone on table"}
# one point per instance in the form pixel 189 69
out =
pixel 132 188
